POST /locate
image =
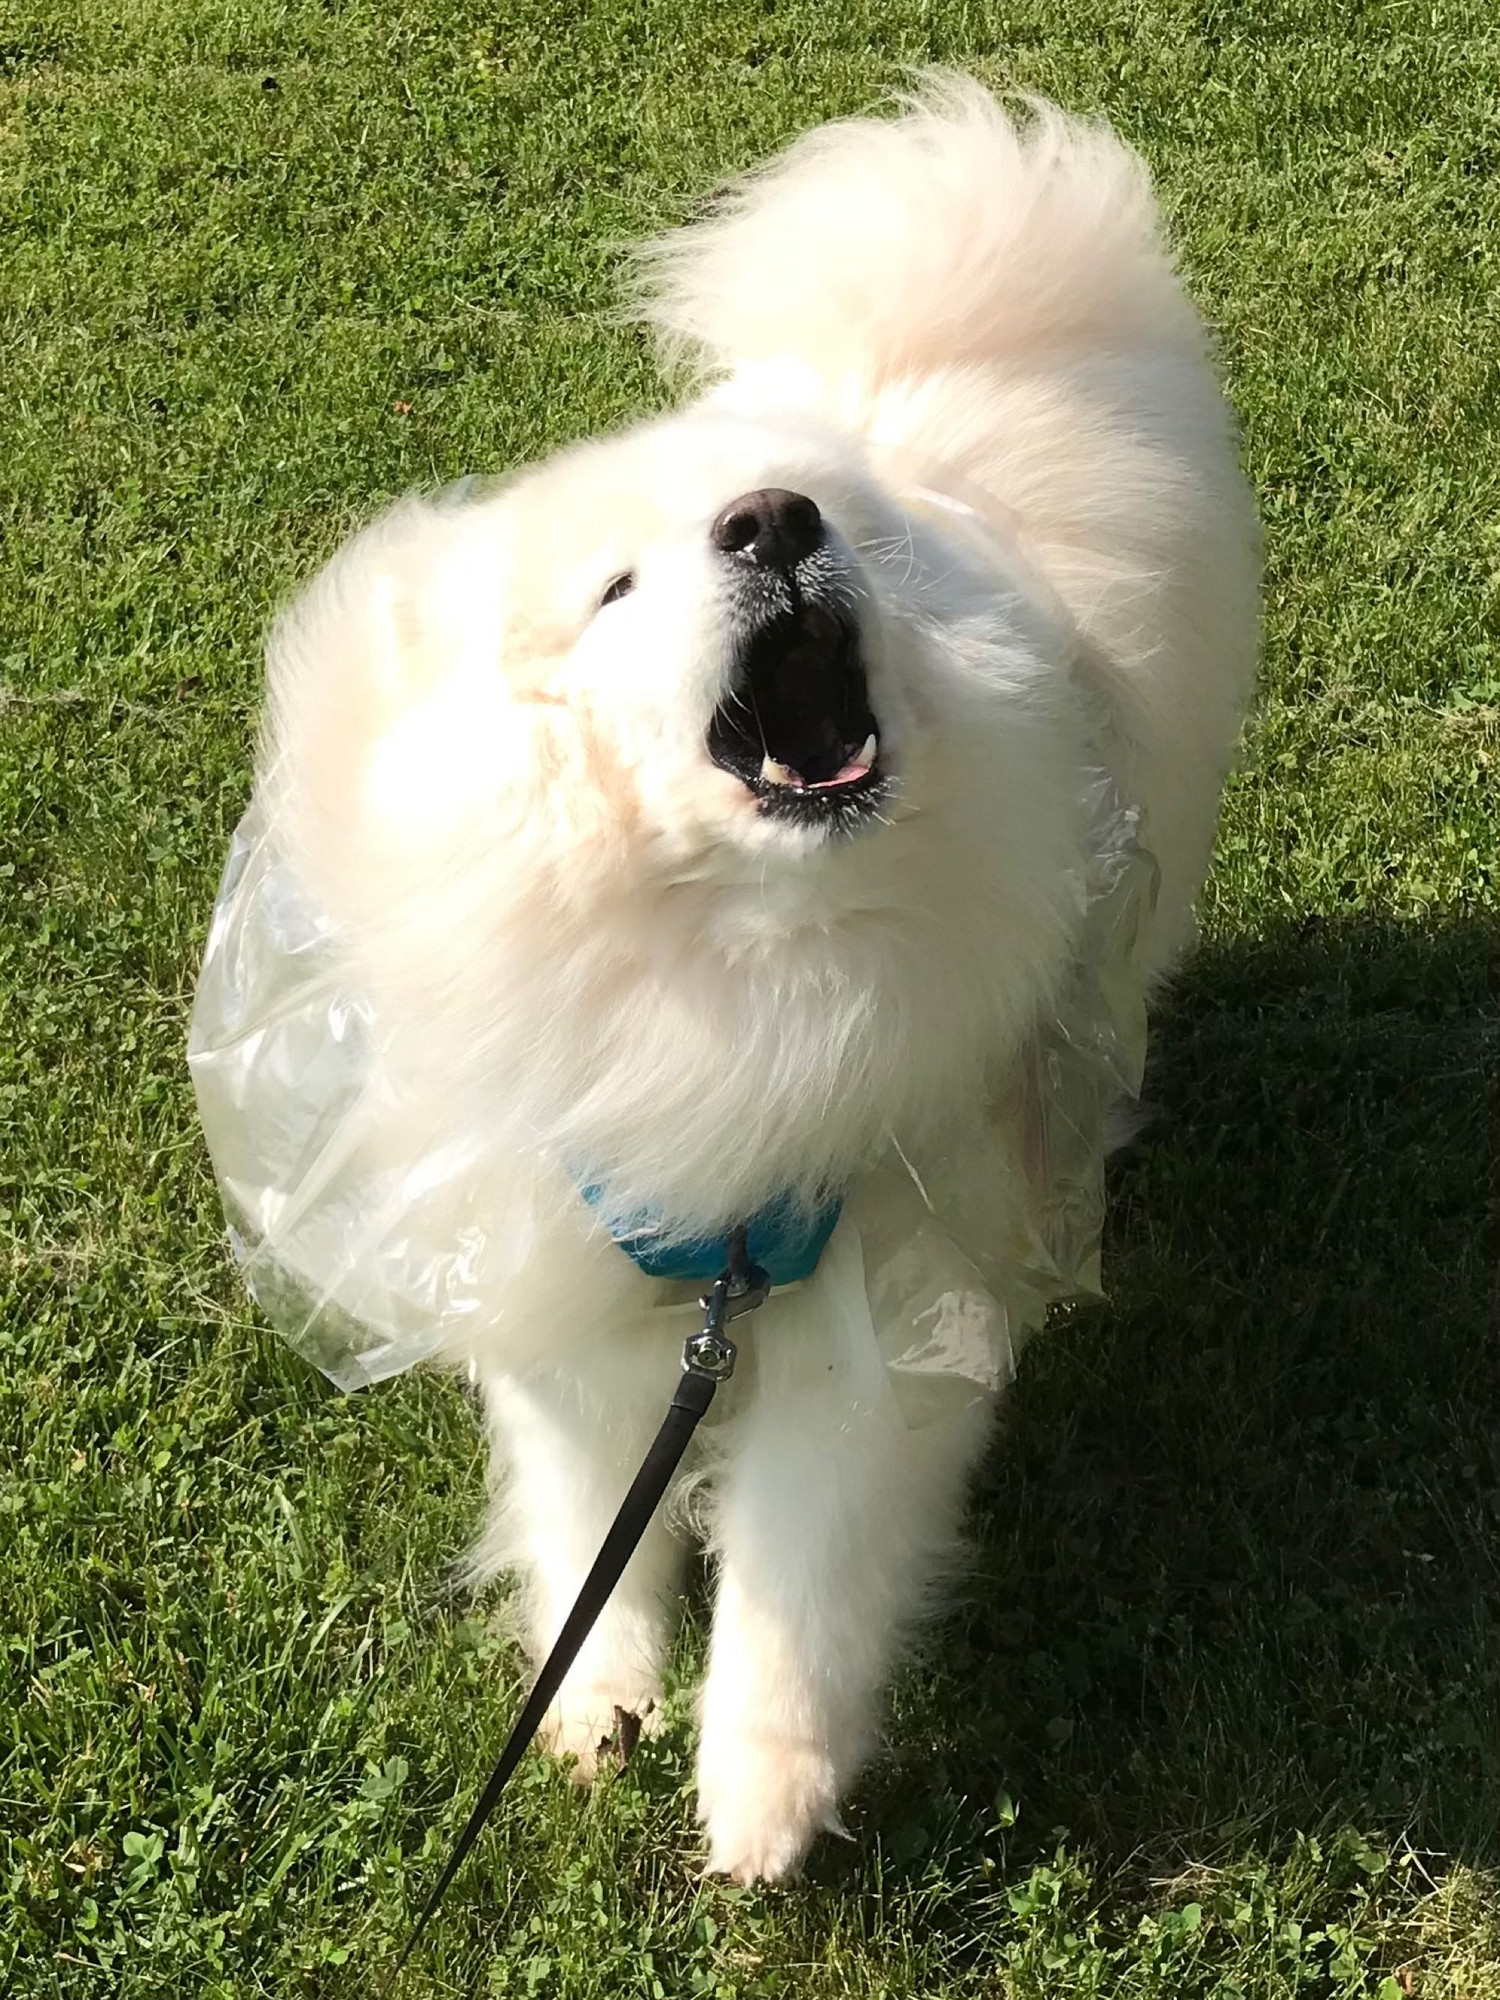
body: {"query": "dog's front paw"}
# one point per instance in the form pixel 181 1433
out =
pixel 763 1801
pixel 597 1725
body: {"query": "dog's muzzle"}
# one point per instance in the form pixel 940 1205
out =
pixel 796 726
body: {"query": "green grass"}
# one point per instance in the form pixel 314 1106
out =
pixel 1219 1710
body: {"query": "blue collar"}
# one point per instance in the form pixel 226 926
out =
pixel 784 1238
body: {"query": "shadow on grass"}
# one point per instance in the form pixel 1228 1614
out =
pixel 1239 1568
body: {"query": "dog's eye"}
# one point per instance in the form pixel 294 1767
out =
pixel 620 587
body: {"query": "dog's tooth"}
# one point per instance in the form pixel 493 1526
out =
pixel 776 774
pixel 869 750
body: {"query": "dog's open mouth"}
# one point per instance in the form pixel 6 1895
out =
pixel 796 727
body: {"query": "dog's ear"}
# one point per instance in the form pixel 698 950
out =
pixel 413 594
pixel 387 714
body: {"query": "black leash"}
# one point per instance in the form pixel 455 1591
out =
pixel 707 1360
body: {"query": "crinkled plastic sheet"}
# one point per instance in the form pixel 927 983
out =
pixel 364 1234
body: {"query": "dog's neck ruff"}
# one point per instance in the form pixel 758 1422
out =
pixel 785 1238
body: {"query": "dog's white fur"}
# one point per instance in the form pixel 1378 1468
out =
pixel 960 334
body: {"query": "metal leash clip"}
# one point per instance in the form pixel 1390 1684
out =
pixel 739 1290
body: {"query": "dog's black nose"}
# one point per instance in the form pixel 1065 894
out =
pixel 772 527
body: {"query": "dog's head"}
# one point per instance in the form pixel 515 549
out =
pixel 696 602
pixel 694 742
pixel 694 645
pixel 750 630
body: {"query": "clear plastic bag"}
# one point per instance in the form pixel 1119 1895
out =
pixel 373 1240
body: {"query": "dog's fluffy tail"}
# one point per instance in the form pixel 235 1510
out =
pixel 956 235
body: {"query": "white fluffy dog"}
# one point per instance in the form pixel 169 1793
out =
pixel 706 806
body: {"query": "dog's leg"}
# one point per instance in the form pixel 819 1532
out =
pixel 568 1455
pixel 832 1526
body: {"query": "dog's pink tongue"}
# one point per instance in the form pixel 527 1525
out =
pixel 851 773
